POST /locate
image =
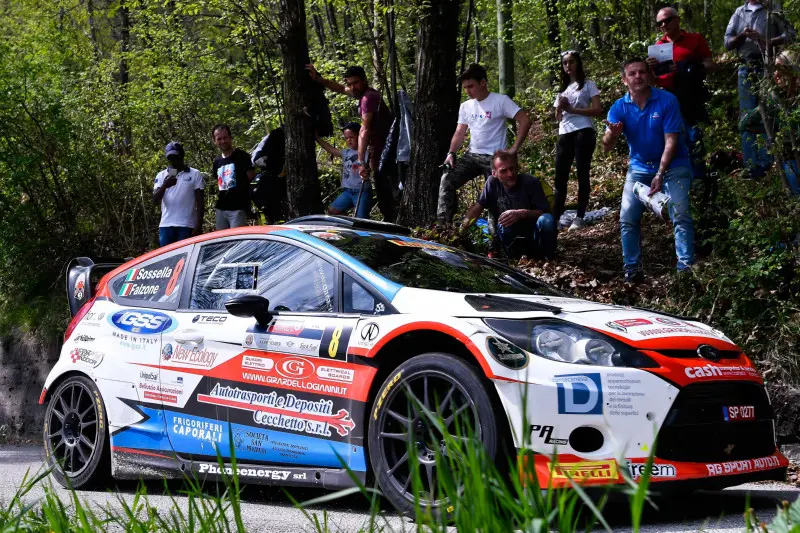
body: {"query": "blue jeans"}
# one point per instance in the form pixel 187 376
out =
pixel 792 173
pixel 754 145
pixel 697 150
pixel 349 198
pixel 677 183
pixel 170 234
pixel 542 234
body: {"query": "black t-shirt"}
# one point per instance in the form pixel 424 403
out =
pixel 234 187
pixel 526 194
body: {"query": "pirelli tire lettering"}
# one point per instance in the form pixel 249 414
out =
pixel 382 397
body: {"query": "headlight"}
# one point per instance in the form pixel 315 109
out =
pixel 569 343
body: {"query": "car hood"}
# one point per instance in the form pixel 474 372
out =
pixel 632 324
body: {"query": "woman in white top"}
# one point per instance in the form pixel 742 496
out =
pixel 576 104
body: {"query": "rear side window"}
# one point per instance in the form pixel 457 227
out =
pixel 291 278
pixel 156 281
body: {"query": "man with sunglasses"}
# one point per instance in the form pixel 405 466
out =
pixel 692 58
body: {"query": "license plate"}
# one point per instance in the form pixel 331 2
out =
pixel 735 413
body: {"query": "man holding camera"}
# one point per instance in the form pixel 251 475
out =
pixel 179 190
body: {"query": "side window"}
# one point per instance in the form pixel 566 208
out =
pixel 155 281
pixel 290 277
pixel 357 299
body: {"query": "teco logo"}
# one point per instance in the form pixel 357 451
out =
pixel 296 368
pixel 369 332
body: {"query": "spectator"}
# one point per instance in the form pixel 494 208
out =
pixel 179 190
pixel 746 33
pixel 576 104
pixel 651 121
pixel 234 171
pixel 518 203
pixel 484 115
pixel 376 120
pixel 692 59
pixel 356 189
pixel 778 109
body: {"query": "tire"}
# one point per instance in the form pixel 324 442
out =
pixel 76 441
pixel 395 425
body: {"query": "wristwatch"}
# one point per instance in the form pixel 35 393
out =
pixel 451 153
pixel 360 163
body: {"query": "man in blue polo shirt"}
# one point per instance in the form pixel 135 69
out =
pixel 651 120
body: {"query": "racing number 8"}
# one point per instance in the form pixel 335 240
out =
pixel 333 347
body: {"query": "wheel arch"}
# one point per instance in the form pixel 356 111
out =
pixel 48 392
pixel 419 341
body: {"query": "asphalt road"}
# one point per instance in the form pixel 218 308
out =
pixel 269 509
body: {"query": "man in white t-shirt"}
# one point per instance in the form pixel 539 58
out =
pixel 179 190
pixel 484 115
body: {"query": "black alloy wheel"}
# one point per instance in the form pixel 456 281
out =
pixel 422 397
pixel 75 436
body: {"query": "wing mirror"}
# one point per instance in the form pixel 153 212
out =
pixel 250 305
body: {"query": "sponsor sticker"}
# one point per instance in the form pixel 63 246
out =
pixel 332 373
pixel 545 433
pixel 296 368
pixel 258 363
pixel 579 394
pixel 87 357
pixel 147 322
pixel 251 440
pixel 586 470
pixel 284 411
pixel 327 235
pixel 247 472
pixel 617 327
pixel 633 322
pixel 507 354
pixel 80 286
pixel 418 244
pixel 657 470
pixel 735 413
pixel 740 467
pixel 197 429
pixel 84 338
pixel 712 371
pixel 196 356
pixel 160 397
pixel 210 319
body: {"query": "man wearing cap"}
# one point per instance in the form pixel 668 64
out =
pixel 179 190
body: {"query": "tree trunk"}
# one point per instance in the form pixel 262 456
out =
pixel 298 89
pixel 435 108
pixel 553 35
pixel 477 34
pixel 505 46
pixel 708 22
pixel 465 42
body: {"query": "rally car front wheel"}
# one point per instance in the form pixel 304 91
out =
pixel 421 400
pixel 75 435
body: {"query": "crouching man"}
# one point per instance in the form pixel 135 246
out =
pixel 520 206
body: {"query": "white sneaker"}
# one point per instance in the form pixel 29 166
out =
pixel 578 223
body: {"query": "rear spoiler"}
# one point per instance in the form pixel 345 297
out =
pixel 83 275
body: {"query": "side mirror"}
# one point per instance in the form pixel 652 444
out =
pixel 250 305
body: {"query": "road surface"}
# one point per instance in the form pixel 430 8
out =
pixel 269 509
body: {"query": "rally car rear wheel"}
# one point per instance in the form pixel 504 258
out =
pixel 75 436
pixel 423 396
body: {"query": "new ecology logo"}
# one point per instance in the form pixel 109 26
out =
pixel 143 322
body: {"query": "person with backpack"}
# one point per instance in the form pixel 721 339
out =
pixel 576 104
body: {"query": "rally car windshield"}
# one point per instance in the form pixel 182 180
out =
pixel 427 265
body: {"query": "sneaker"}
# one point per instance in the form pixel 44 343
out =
pixel 634 276
pixel 578 223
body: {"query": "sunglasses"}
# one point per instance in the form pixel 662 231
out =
pixel 664 22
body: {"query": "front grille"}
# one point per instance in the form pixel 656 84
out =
pixel 695 429
pixel 692 354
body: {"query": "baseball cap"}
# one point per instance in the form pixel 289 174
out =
pixel 174 148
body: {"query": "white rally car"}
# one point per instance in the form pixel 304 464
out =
pixel 297 347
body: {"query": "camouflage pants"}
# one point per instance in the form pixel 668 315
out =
pixel 467 168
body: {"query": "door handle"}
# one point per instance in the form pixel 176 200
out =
pixel 188 336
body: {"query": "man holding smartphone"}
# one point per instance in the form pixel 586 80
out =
pixel 179 190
